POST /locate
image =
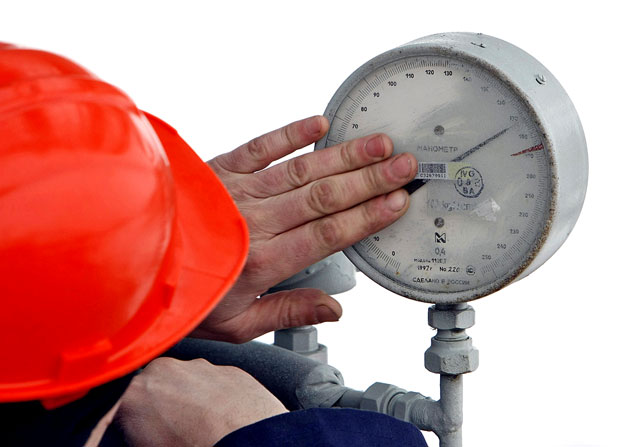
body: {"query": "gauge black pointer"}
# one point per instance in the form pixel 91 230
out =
pixel 418 183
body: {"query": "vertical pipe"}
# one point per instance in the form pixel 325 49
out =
pixel 451 406
pixel 453 439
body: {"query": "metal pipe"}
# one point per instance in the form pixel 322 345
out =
pixel 449 431
pixel 301 382
pixel 351 399
pixel 443 417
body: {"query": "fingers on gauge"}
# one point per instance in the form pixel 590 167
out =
pixel 342 158
pixel 340 192
pixel 322 237
pixel 336 193
pixel 260 152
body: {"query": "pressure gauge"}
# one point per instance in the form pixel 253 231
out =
pixel 502 158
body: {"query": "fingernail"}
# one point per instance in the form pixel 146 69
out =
pixel 313 125
pixel 401 166
pixel 324 313
pixel 375 147
pixel 397 200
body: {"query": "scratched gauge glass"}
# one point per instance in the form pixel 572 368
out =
pixel 483 201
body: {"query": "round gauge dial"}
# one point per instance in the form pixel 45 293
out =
pixel 486 196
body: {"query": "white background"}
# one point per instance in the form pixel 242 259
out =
pixel 551 350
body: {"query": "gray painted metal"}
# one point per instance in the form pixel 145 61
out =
pixel 334 274
pixel 303 341
pixel 302 382
pixel 451 351
pixel 450 355
pixel 553 113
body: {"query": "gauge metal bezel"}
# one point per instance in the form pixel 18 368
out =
pixel 555 117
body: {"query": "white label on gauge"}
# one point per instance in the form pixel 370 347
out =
pixel 442 171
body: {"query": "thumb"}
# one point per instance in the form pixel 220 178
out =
pixel 280 310
pixel 292 308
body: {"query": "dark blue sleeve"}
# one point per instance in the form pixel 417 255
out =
pixel 326 427
pixel 28 424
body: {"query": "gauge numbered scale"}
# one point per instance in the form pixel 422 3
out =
pixel 502 163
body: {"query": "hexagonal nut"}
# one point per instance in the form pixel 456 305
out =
pixel 402 405
pixel 452 318
pixel 299 339
pixel 377 397
pixel 453 359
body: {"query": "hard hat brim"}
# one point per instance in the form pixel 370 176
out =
pixel 214 243
pixel 210 245
pixel 206 252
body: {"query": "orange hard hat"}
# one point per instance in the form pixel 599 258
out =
pixel 116 240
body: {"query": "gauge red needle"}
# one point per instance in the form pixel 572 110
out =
pixel 538 147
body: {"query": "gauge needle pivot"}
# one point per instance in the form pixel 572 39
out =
pixel 418 183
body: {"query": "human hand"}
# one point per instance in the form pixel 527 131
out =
pixel 299 212
pixel 191 403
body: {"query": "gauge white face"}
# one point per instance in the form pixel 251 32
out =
pixel 484 202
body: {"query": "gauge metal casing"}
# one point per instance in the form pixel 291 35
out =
pixel 553 115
